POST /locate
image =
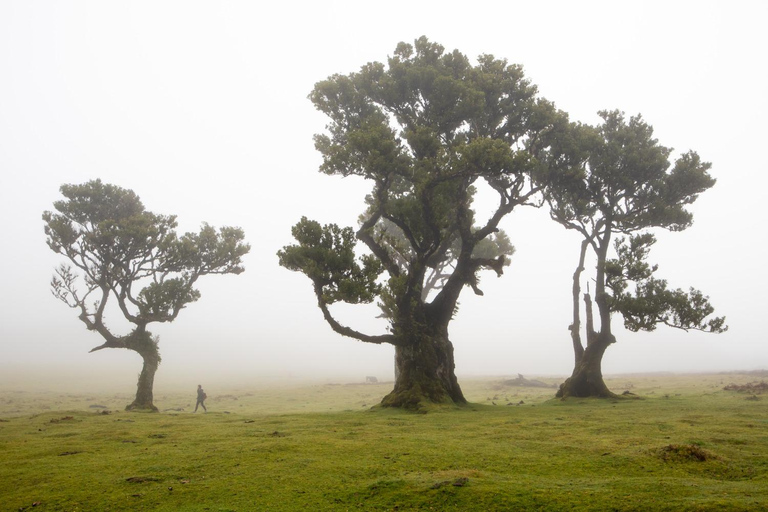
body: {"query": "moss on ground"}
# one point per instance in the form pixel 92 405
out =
pixel 687 445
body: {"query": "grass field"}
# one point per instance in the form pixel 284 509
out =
pixel 686 444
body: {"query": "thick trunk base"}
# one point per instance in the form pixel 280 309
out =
pixel 136 407
pixel 425 375
pixel 587 377
pixel 147 348
pixel 584 385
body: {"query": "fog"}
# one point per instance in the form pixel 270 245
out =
pixel 201 108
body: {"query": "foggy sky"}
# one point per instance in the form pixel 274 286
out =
pixel 201 108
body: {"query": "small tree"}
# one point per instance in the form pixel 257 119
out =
pixel 424 130
pixel 119 251
pixel 616 179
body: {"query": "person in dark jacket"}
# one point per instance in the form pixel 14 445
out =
pixel 201 396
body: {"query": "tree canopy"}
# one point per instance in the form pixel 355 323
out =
pixel 652 302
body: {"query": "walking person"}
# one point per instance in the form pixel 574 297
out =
pixel 201 396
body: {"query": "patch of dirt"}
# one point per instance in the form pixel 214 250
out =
pixel 685 452
pixel 59 420
pixel 142 479
pixel 459 482
pixel 751 387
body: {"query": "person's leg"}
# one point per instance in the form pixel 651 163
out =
pixel 204 408
pixel 196 404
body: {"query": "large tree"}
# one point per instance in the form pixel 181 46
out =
pixel 492 247
pixel 616 180
pixel 120 253
pixel 425 130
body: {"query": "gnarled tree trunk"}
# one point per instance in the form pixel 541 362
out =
pixel 144 395
pixel 139 341
pixel 578 348
pixel 587 377
pixel 425 372
pixel 143 343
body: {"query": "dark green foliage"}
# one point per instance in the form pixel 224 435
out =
pixel 652 303
pixel 162 299
pixel 326 255
pixel 618 177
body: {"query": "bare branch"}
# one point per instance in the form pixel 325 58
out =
pixel 346 331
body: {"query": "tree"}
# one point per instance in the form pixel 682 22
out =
pixel 616 180
pixel 120 252
pixel 494 246
pixel 425 130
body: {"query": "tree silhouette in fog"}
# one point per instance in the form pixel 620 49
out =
pixel 121 253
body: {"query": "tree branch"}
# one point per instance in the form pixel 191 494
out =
pixel 578 348
pixel 346 331
pixel 406 232
pixel 364 235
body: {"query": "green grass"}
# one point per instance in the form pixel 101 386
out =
pixel 687 445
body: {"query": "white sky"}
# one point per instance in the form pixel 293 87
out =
pixel 201 108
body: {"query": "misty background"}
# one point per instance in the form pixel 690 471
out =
pixel 201 108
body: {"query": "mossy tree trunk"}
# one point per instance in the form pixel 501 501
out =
pixel 425 373
pixel 142 342
pixel 424 364
pixel 144 394
pixel 587 377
